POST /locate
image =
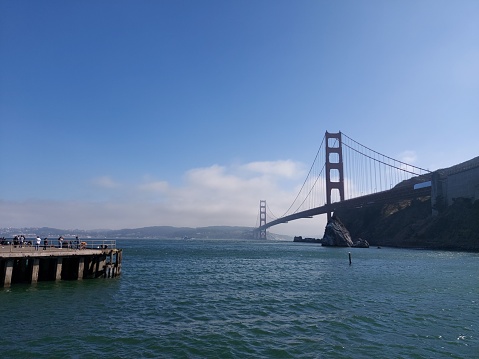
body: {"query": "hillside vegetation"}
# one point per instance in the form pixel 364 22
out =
pixel 410 224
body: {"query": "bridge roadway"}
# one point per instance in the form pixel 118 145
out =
pixel 394 194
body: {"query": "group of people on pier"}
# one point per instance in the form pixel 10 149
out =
pixel 21 242
pixel 70 244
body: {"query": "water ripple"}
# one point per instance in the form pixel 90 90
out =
pixel 233 299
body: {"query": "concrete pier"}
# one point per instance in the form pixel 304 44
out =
pixel 27 265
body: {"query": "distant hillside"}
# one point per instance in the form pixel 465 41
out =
pixel 155 232
pixel 217 232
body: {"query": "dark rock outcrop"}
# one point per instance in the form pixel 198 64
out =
pixel 336 234
pixel 361 243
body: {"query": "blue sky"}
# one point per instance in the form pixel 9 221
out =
pixel 121 114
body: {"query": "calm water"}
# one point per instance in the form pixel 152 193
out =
pixel 244 299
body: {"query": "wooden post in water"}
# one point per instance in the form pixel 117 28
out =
pixel 117 263
pixel 58 274
pixel 81 267
pixel 35 270
pixel 102 266
pixel 8 273
pixel 349 258
pixel 119 259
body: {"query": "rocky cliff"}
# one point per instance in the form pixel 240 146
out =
pixel 410 224
pixel 336 234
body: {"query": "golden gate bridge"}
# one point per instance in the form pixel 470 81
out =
pixel 348 174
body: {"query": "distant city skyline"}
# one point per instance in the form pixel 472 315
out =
pixel 132 114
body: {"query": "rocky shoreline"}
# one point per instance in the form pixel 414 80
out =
pixel 405 224
pixel 411 224
pixel 335 235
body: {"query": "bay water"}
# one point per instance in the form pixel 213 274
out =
pixel 252 299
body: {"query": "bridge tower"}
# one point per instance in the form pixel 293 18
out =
pixel 334 167
pixel 262 218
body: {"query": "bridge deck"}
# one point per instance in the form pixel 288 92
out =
pixel 395 194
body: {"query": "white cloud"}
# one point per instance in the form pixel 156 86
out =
pixel 409 157
pixel 215 195
pixel 105 182
pixel 287 168
pixel 155 186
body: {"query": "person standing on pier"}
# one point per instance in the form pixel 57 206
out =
pixel 37 243
pixel 60 242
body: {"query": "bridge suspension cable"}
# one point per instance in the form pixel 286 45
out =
pixel 368 171
pixel 365 171
pixel 270 213
pixel 309 185
pixel 270 216
pixel 419 170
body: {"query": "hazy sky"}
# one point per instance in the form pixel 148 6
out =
pixel 120 114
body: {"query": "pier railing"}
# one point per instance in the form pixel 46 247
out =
pixel 8 245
